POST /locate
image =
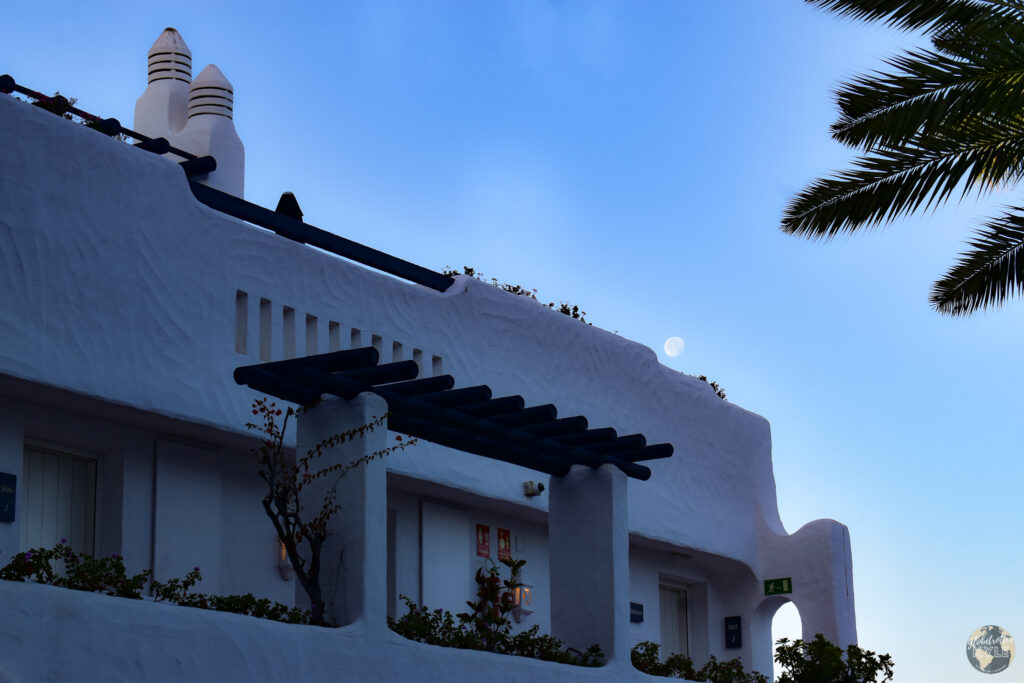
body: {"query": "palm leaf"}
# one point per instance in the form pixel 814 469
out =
pixel 890 183
pixel 915 15
pixel 975 37
pixel 989 273
pixel 929 92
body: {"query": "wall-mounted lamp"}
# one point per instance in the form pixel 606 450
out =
pixel 532 488
pixel 283 565
pixel 522 598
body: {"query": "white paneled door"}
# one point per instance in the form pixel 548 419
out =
pixel 674 626
pixel 59 500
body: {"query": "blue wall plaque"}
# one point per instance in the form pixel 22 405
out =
pixel 733 633
pixel 636 612
pixel 8 487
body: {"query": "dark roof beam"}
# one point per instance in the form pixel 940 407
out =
pixel 588 437
pixel 383 374
pixel 427 385
pixel 658 450
pixel 337 361
pixel 458 397
pixel 566 425
pixel 490 448
pixel 342 386
pixel 275 385
pixel 633 442
pixel 496 406
pixel 527 416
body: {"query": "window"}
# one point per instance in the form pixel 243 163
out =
pixel 675 632
pixel 59 499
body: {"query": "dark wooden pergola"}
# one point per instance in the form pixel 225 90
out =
pixel 467 419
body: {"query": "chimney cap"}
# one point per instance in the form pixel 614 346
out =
pixel 171 41
pixel 211 77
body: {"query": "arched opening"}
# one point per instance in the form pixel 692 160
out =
pixel 785 624
pixel 775 617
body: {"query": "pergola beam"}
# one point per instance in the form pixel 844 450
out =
pixel 467 419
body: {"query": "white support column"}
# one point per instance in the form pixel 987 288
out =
pixel 588 535
pixel 353 574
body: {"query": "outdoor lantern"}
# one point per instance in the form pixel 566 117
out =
pixel 522 597
pixel 283 564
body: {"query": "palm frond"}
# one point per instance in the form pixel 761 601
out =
pixel 912 15
pixel 890 183
pixel 989 273
pixel 928 92
pixel 974 38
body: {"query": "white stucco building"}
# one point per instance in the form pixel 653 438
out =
pixel 127 306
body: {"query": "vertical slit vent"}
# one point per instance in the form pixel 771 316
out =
pixel 241 321
pixel 334 336
pixel 289 331
pixel 312 342
pixel 265 328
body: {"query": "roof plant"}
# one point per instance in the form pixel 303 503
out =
pixel 936 122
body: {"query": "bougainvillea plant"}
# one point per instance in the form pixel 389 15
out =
pixel 303 530
pixel 62 566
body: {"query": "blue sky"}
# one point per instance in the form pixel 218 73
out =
pixel 634 158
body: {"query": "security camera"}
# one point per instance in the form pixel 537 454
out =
pixel 532 488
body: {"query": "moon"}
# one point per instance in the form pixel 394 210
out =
pixel 674 346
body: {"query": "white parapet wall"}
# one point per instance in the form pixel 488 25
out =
pixel 55 634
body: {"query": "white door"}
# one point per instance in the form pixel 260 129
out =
pixel 446 578
pixel 59 500
pixel 674 627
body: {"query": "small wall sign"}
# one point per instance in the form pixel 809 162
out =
pixel 504 544
pixel 483 540
pixel 8 489
pixel 778 586
pixel 636 612
pixel 733 633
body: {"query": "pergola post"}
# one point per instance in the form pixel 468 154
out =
pixel 588 536
pixel 353 573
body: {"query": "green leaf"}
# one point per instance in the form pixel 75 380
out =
pixel 989 273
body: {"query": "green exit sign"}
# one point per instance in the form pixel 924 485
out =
pixel 778 586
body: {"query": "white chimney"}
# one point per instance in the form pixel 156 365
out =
pixel 163 108
pixel 210 129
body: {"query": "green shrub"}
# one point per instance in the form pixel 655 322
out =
pixel 80 572
pixel 488 626
pixel 646 657
pixel 60 566
pixel 819 661
pixel 178 592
